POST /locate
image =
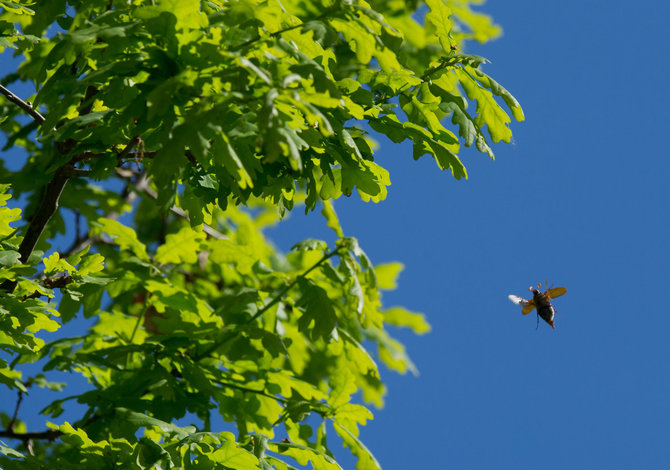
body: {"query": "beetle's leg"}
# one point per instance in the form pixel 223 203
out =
pixel 538 320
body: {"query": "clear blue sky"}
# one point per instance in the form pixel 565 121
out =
pixel 581 198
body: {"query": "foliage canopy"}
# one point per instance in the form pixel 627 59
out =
pixel 163 137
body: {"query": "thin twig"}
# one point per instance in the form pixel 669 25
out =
pixel 281 293
pixel 249 390
pixel 269 305
pixel 10 426
pixel 27 107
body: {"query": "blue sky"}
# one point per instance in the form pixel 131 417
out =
pixel 580 198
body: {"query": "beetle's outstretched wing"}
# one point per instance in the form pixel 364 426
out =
pixel 518 300
pixel 528 305
pixel 556 292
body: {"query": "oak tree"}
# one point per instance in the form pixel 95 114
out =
pixel 161 138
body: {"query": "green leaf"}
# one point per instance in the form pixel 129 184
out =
pixel 359 39
pixel 9 452
pixel 124 237
pixel 310 244
pixel 392 352
pixel 439 15
pixel 342 387
pixel 148 454
pixel 304 455
pixel 318 315
pixel 387 275
pixel 9 257
pixel 366 461
pixel 230 455
pixel 54 264
pixel 401 317
pixel 369 178
pixel 498 90
pixel 142 420
pixel 287 383
pixel 7 216
pixel 489 113
pixel 186 12
pixel 331 218
pixel 91 264
pixel 181 247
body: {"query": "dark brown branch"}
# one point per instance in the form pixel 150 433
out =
pixel 49 202
pixel 50 435
pixel 22 104
pixel 57 282
pixel 72 172
pixel 133 142
pixel 87 101
pixel 45 211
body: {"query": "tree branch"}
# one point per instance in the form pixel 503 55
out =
pixel 27 107
pixel 45 211
pixel 50 434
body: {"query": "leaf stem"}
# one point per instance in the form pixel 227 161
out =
pixel 140 317
pixel 288 287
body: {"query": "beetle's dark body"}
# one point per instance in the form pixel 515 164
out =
pixel 543 305
pixel 541 302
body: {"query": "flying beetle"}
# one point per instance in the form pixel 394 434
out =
pixel 540 301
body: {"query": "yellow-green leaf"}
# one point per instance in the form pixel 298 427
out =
pixel 123 236
pixel 439 15
pixel 181 247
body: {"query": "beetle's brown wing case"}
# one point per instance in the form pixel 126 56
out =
pixel 530 306
pixel 556 292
